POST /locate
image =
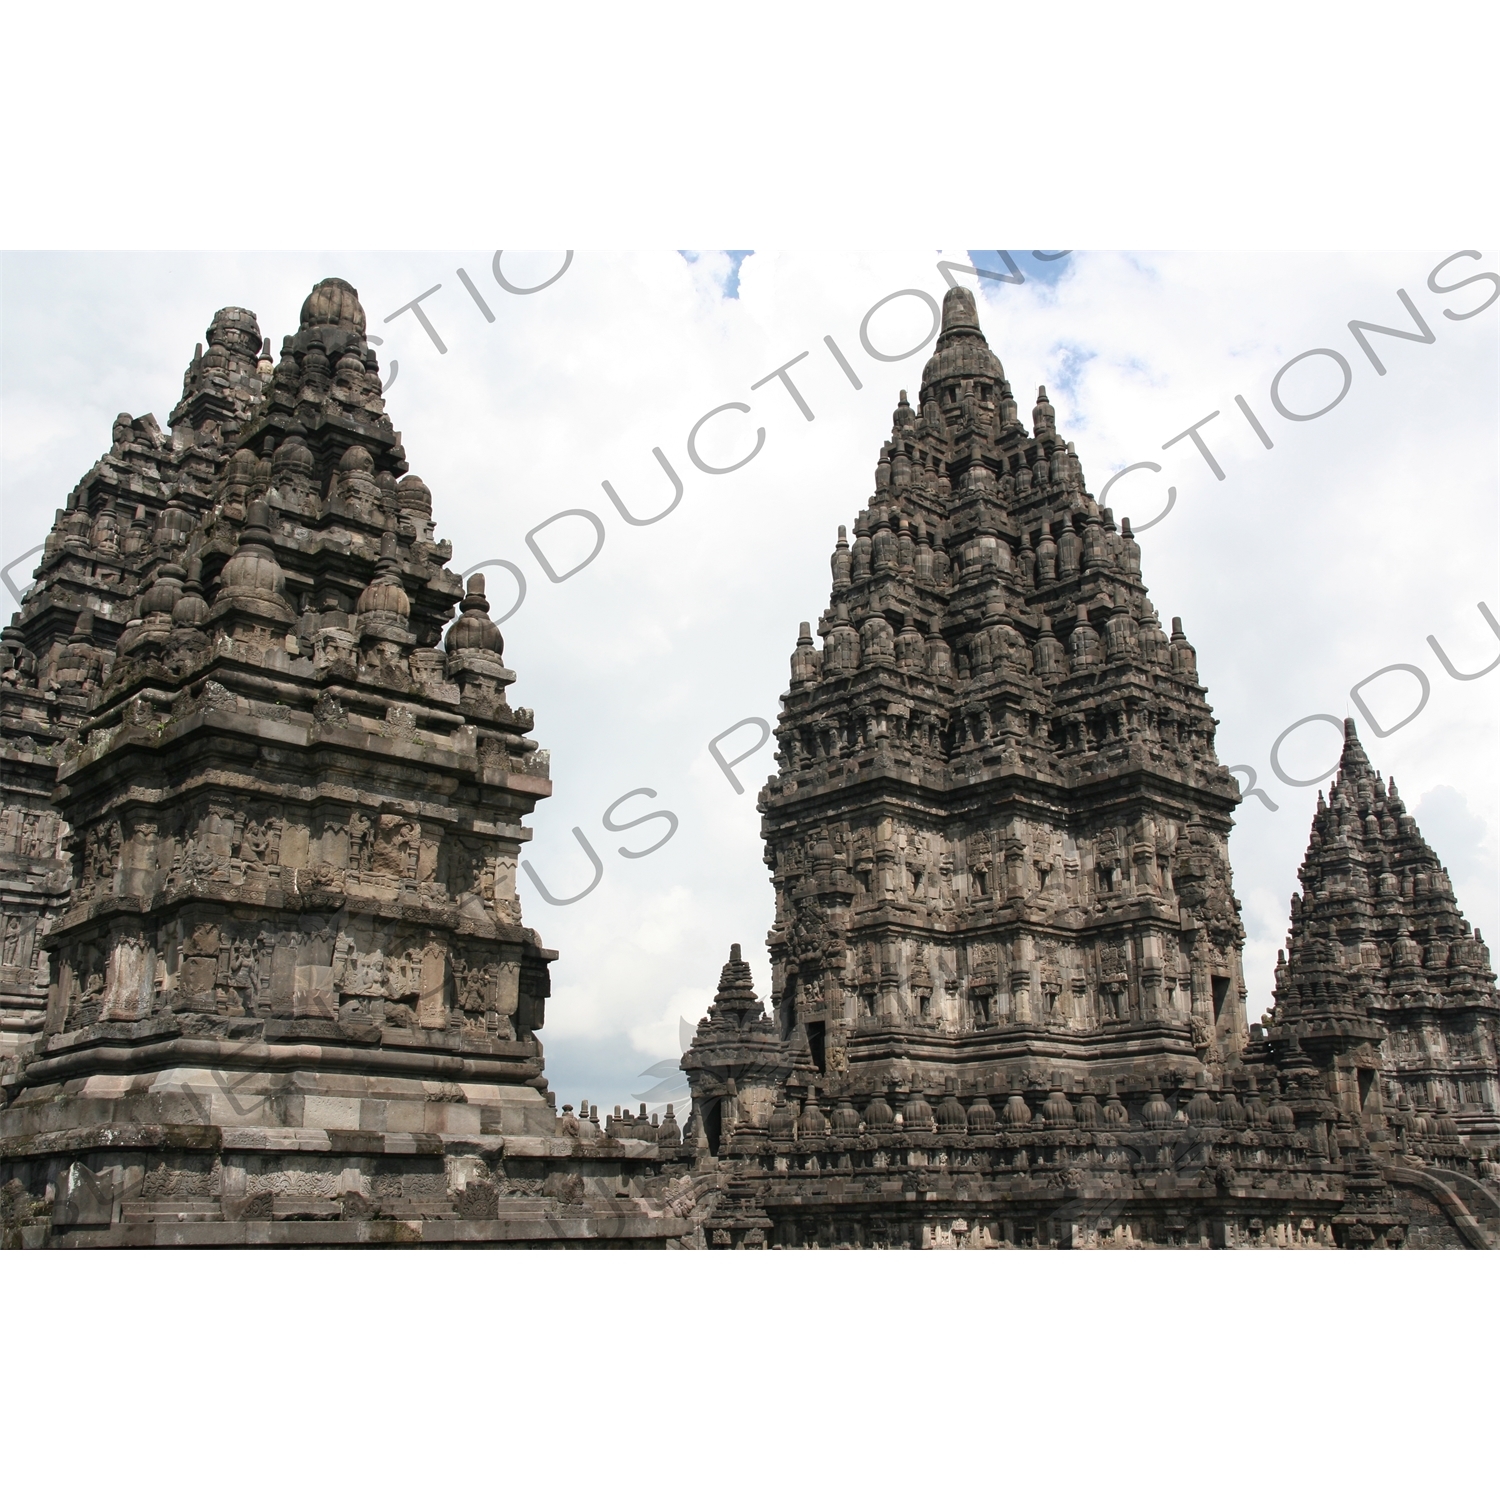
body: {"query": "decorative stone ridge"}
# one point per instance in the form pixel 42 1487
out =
pixel 266 978
pixel 1007 989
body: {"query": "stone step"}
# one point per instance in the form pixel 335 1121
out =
pixel 165 1210
pixel 287 1206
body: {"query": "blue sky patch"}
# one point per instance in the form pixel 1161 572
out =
pixel 1045 266
pixel 731 283
pixel 1067 366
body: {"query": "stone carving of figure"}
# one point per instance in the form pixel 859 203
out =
pixel 198 859
pixel 253 843
pixel 101 851
pixel 411 848
pixel 242 970
pixel 12 940
pixel 372 973
pixel 473 983
pixel 344 960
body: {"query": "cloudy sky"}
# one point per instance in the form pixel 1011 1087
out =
pixel 1308 567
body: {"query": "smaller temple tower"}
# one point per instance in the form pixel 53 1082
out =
pixel 1382 983
pixel 736 1063
pixel 134 509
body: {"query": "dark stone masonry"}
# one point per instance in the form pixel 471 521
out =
pixel 266 979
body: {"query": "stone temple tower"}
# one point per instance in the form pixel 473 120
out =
pixel 138 502
pixel 1007 1004
pixel 262 822
pixel 1383 984
pixel 998 832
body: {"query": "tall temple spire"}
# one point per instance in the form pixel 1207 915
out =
pixel 959 783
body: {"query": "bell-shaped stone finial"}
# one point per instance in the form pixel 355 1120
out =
pixel 165 589
pixel 414 500
pixel 334 304
pixel 1083 644
pixel 384 595
pixel 1047 654
pixel 805 657
pixel 474 630
pixel 236 331
pixel 191 610
pixel 252 579
pixel 841 562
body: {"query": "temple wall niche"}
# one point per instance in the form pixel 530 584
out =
pixel 296 843
pixel 129 978
pixel 30 834
pixel 18 936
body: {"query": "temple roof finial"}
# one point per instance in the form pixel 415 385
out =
pixel 1353 762
pixel 959 310
pixel 333 303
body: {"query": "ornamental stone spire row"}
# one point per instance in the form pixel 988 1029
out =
pixel 266 976
pixel 1006 952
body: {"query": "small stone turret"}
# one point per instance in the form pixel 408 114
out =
pixel 735 1064
pixel 474 630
